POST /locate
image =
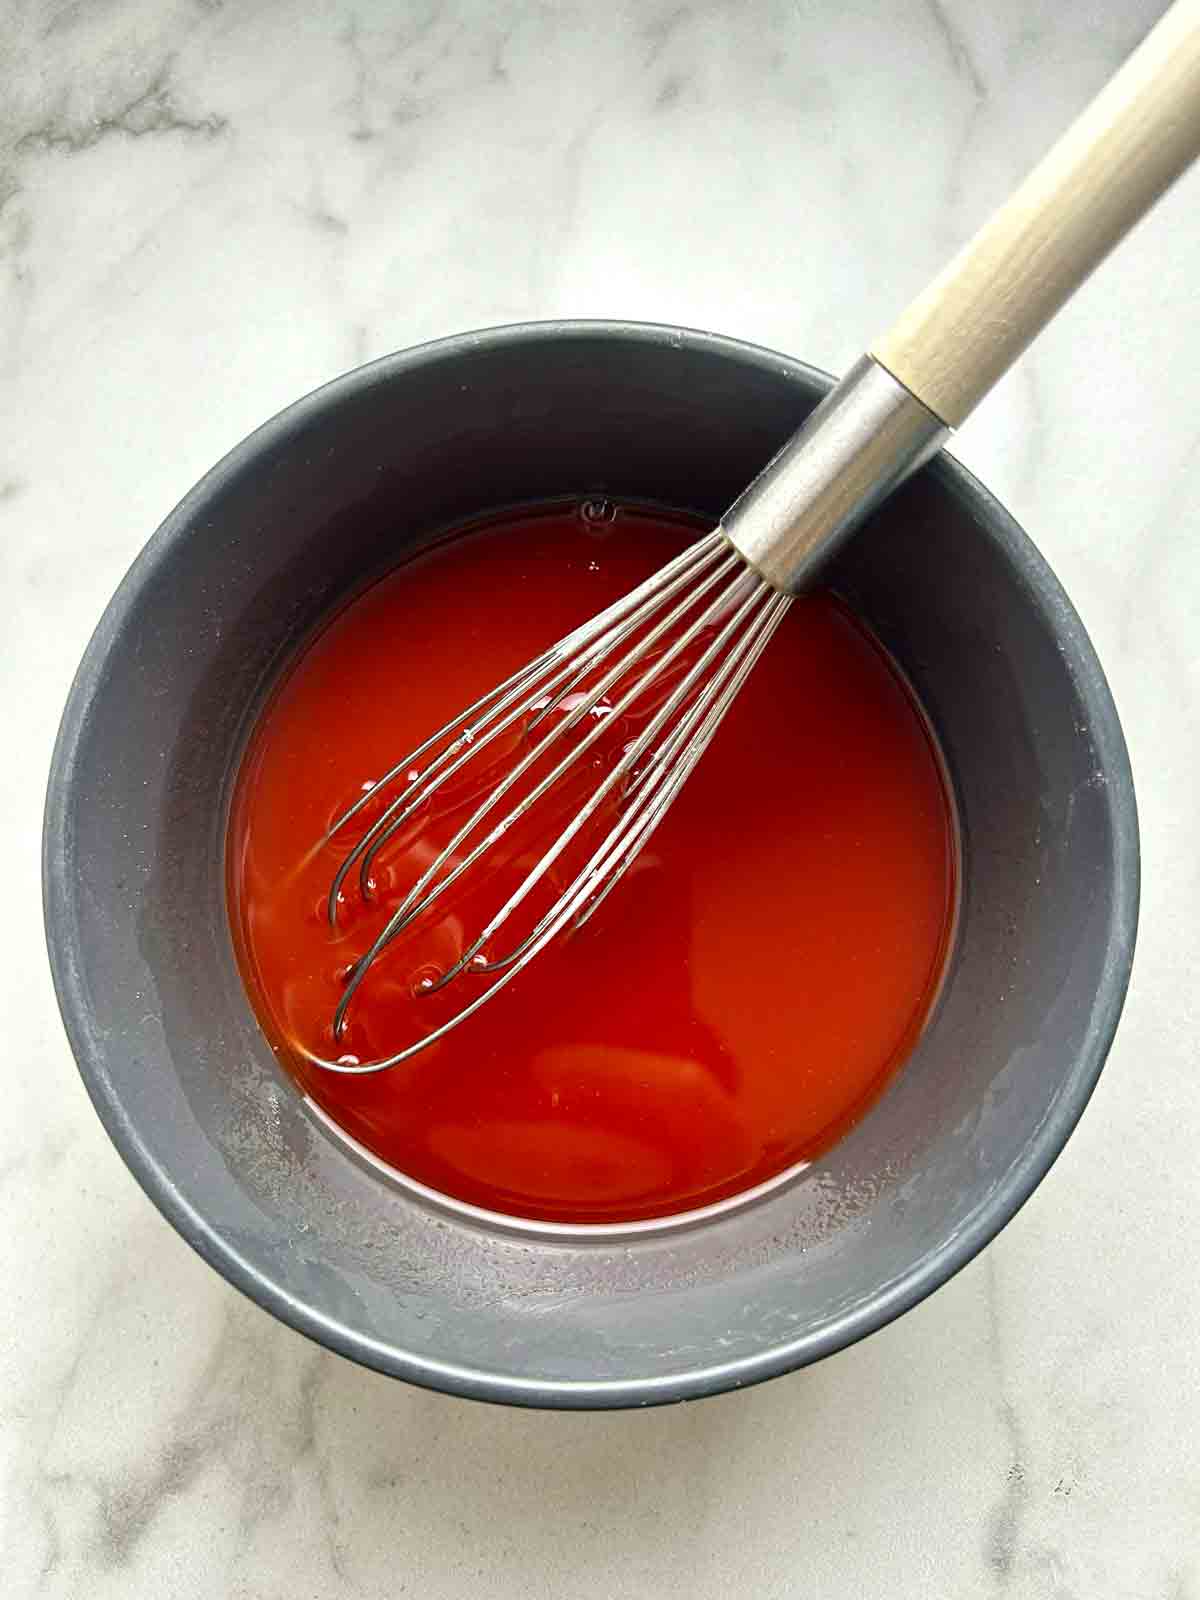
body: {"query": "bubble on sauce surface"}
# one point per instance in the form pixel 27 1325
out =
pixel 576 705
pixel 366 801
pixel 423 979
pixel 597 513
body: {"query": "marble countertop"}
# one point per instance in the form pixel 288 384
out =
pixel 207 209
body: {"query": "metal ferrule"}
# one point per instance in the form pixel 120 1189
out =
pixel 862 441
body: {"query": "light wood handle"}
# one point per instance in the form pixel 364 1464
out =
pixel 1107 170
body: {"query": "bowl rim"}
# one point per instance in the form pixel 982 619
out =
pixel 868 1315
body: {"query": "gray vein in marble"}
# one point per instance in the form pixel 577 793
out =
pixel 363 130
pixel 67 16
pixel 128 1510
pixel 52 1560
pixel 326 221
pixel 49 1154
pixel 208 1430
pixel 336 1543
pixel 151 112
pixel 395 76
pixel 660 30
pixel 967 71
pixel 45 1482
pixel 559 219
pixel 1005 1524
pixel 16 230
pixel 317 211
pixel 497 69
pixel 957 49
pixel 669 91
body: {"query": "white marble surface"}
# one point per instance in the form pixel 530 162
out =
pixel 207 209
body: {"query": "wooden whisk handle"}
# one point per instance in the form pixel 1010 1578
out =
pixel 976 317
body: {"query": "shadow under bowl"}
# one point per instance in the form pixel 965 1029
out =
pixel 347 482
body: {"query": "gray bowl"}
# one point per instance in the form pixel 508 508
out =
pixel 343 484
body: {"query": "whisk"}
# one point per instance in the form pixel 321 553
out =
pixel 675 651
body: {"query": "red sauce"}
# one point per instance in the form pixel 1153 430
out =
pixel 739 1000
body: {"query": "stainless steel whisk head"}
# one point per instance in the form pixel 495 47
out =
pixel 703 620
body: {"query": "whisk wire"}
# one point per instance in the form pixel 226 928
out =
pixel 415 904
pixel 570 674
pixel 659 800
pixel 429 886
pixel 657 630
pixel 417 900
pixel 591 638
pixel 624 842
pixel 628 760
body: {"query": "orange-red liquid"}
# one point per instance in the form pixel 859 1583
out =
pixel 738 1001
